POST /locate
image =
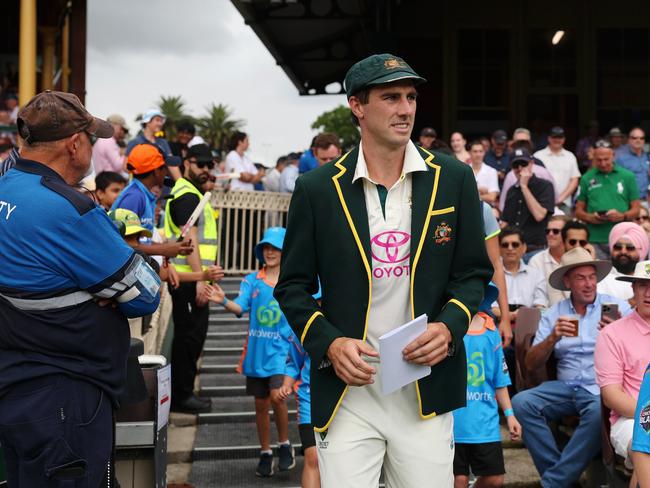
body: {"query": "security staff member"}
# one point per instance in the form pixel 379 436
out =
pixel 190 299
pixel 67 286
pixel 393 231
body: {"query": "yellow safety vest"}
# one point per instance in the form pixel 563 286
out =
pixel 207 228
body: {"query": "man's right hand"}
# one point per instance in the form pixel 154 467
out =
pixel 345 355
pixel 563 328
pixel 202 293
pixel 173 249
pixel 213 273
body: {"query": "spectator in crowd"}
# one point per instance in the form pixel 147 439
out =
pixel 529 203
pixel 11 102
pixel 272 179
pixel 486 177
pixel 548 260
pixel 427 137
pixel 575 391
pixel 152 123
pixel 616 138
pixel 190 311
pixel 628 244
pixel 585 143
pixel 477 434
pixel 149 168
pixel 492 231
pixel 326 148
pixel 633 157
pixel 526 286
pixel 308 160
pixel 643 219
pixel 290 174
pixel 264 358
pixel 498 156
pixel 185 132
pixel 459 146
pixel 575 234
pixel 6 146
pixel 562 164
pixel 259 186
pixel 108 186
pixel 608 195
pixel 238 162
pixel 539 170
pixel 108 154
pixel 641 436
pixel 487 145
pixel 621 357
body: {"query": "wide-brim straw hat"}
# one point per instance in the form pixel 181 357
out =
pixel 641 272
pixel 574 259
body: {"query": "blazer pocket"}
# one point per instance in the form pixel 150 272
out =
pixel 442 211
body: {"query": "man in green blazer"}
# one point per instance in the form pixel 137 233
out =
pixel 392 231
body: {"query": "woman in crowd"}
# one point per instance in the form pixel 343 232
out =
pixel 459 146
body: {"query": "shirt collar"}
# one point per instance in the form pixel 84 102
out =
pixel 36 168
pixel 412 162
pixel 551 153
pixel 148 193
pixel 523 268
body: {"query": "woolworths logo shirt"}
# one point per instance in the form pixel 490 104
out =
pixel 389 221
pixel 478 422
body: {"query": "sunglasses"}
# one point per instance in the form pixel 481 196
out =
pixel 553 231
pixel 627 247
pixel 514 245
pixel 92 138
pixel 203 164
pixel 642 217
pixel 573 242
pixel 520 164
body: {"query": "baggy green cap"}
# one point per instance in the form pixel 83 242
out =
pixel 377 70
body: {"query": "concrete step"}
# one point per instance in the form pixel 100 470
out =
pixel 221 351
pixel 235 473
pixel 223 391
pixel 244 403
pixel 240 327
pixel 222 359
pixel 234 379
pixel 240 437
pixel 233 334
pixel 223 319
pixel 236 343
pixel 234 417
pixel 217 368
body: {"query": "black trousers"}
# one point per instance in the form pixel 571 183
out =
pixel 190 330
pixel 56 432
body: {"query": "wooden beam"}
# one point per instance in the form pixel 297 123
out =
pixel 78 20
pixel 27 52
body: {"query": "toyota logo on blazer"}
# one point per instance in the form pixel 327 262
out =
pixel 388 247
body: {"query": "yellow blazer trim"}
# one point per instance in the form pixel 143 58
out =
pixel 462 307
pixel 442 211
pixel 416 259
pixel 494 234
pixel 308 325
pixel 335 180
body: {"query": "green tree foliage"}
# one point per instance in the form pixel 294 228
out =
pixel 339 121
pixel 175 111
pixel 218 125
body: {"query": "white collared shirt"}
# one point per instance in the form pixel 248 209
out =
pixel 544 262
pixel 526 287
pixel 390 244
pixel 609 285
pixel 563 166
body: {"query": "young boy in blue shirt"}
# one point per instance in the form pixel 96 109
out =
pixel 641 436
pixel 476 426
pixel 297 379
pixel 264 357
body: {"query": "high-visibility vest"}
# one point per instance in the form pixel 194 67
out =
pixel 207 228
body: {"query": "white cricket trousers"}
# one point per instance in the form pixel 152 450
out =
pixel 371 430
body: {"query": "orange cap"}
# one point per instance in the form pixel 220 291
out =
pixel 144 158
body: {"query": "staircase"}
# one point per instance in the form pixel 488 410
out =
pixel 226 449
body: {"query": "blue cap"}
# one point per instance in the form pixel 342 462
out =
pixel 150 114
pixel 491 294
pixel 273 236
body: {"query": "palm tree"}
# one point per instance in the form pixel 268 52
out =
pixel 218 125
pixel 173 107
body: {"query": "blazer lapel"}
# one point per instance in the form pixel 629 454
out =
pixel 353 203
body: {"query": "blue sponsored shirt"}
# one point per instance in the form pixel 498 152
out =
pixel 575 355
pixel 641 437
pixel 298 364
pixel 59 252
pixel 267 345
pixel 140 200
pixel 478 422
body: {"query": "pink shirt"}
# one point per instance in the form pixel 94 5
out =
pixel 622 354
pixel 107 157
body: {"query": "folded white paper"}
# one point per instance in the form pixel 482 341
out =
pixel 396 372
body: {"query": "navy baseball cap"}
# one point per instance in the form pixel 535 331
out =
pixel 519 154
pixel 500 136
pixel 556 131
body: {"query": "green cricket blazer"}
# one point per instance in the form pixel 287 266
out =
pixel 328 237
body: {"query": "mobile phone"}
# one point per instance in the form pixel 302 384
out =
pixel 602 213
pixel 609 310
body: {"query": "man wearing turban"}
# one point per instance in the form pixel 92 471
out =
pixel 628 244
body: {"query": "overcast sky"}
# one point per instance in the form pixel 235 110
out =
pixel 203 51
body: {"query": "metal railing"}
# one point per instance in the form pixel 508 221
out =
pixel 242 217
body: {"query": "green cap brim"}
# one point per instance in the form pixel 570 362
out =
pixel 392 77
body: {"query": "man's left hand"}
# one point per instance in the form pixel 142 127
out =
pixel 431 347
pixel 505 330
pixel 615 216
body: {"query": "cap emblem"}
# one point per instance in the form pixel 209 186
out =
pixel 393 63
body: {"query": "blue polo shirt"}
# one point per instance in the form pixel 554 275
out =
pixel 298 364
pixel 307 161
pixel 500 163
pixel 141 139
pixel 267 345
pixel 140 200
pixel 637 164
pixel 641 437
pixel 60 252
